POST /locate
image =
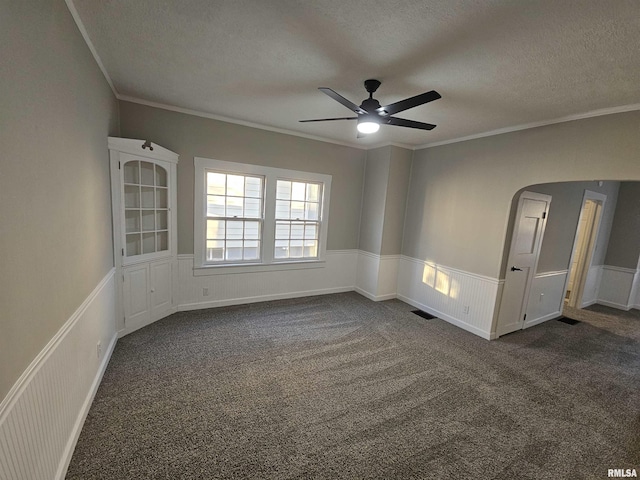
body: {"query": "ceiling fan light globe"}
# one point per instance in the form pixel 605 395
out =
pixel 368 127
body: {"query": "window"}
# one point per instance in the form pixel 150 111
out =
pixel 297 219
pixel 234 217
pixel 248 216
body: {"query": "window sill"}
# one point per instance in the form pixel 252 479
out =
pixel 227 269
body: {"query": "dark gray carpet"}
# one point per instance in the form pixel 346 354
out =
pixel 338 386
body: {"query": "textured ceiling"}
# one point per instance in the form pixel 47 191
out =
pixel 497 64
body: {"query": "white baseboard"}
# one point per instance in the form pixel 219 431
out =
pixel 619 306
pixel 41 417
pixel 261 298
pixel 375 298
pixel 77 428
pixel 336 274
pixel 461 298
pixel 537 321
pixel 449 319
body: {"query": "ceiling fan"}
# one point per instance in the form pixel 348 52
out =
pixel 371 115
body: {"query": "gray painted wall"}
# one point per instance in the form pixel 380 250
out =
pixel 55 205
pixel 376 178
pixel 396 201
pixel 192 136
pixel 562 222
pixel 460 194
pixel 624 244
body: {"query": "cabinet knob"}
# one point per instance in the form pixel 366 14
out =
pixel 153 290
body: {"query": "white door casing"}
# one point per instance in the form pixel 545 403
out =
pixel 528 232
pixel 589 223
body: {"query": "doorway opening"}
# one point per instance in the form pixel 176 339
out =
pixel 583 249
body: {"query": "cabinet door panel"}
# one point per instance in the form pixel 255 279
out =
pixel 160 273
pixel 136 288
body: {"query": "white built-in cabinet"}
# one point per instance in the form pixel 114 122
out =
pixel 143 192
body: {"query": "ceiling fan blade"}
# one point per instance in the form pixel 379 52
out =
pixel 401 122
pixel 409 103
pixel 339 98
pixel 328 119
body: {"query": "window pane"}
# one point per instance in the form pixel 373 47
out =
pixel 295 249
pixel 234 207
pixel 310 232
pixel 298 190
pixel 283 209
pixel 234 230
pixel 282 249
pixel 283 190
pixel 252 230
pixel 253 187
pixel 215 183
pixel 251 250
pixel 282 231
pixel 297 230
pixel 313 191
pixel 215 206
pixel 297 210
pixel 235 185
pixel 234 250
pixel 215 229
pixel 311 212
pixel 215 250
pixel 252 208
pixel 310 249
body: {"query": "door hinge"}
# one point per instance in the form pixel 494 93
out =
pixel 544 214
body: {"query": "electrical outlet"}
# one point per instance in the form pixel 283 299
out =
pixel 205 292
pixel 99 350
pixel 465 309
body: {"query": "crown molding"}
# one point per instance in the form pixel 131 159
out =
pixel 87 40
pixel 526 126
pixel 244 123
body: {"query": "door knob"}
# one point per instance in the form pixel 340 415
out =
pixel 513 269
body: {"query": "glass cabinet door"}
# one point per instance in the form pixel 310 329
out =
pixel 146 208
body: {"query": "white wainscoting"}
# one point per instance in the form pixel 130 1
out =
pixel 41 417
pixel 617 287
pixel 464 299
pixel 591 286
pixel 377 275
pixel 546 297
pixel 336 274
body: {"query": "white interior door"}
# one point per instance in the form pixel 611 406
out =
pixel 526 241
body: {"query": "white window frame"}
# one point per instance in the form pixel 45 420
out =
pixel 270 175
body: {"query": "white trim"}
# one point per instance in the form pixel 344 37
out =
pixel 375 298
pixel 87 40
pixel 63 380
pixel 613 268
pixel 537 321
pixel 134 146
pixel 449 318
pixel 552 274
pixel 478 276
pixel 86 406
pixel 261 298
pixel 526 126
pixel 270 174
pixel 18 388
pixel 619 306
pixel 234 121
